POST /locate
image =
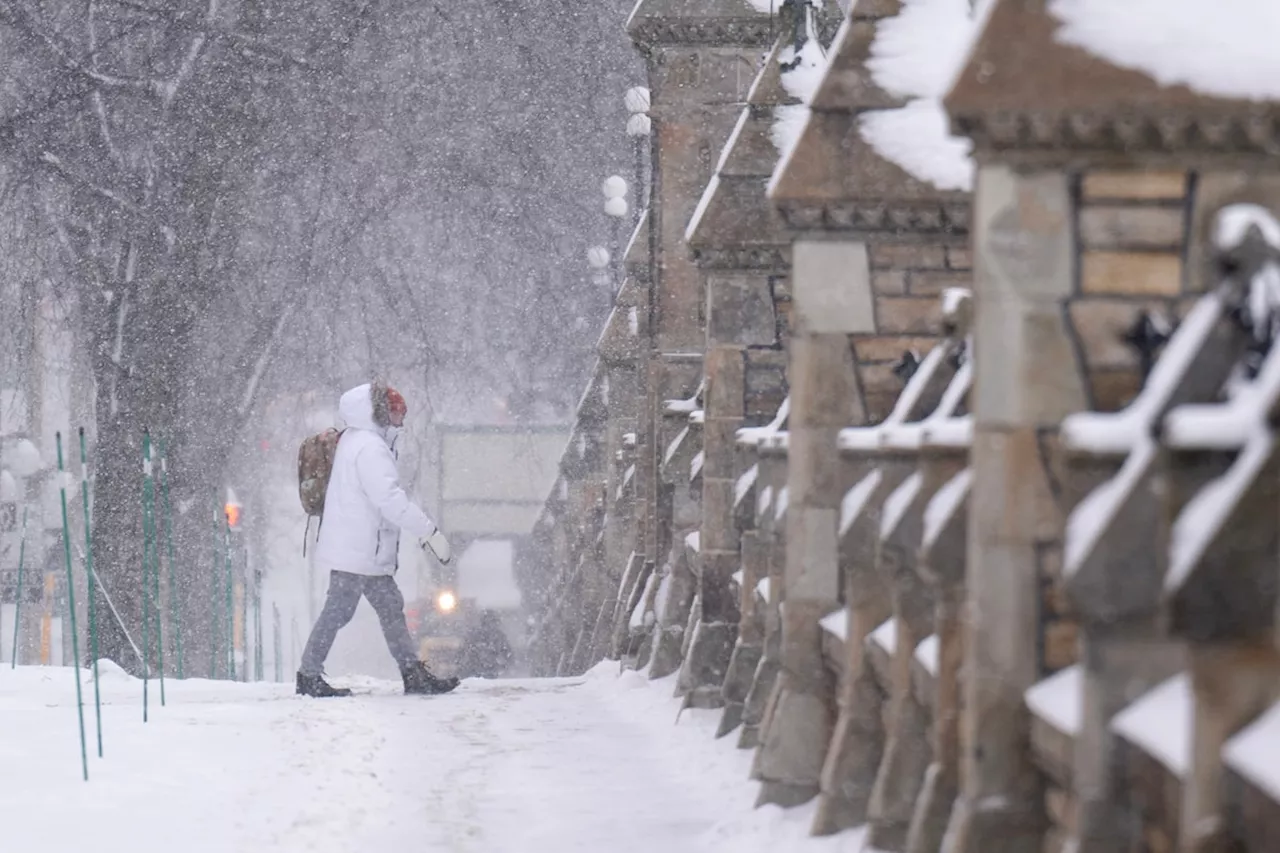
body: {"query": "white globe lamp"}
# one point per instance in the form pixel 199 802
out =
pixel 598 257
pixel 614 186
pixel 616 207
pixel 639 125
pixel 637 99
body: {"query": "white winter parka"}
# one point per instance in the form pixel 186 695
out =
pixel 364 507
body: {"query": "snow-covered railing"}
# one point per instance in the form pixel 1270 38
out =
pixel 1195 447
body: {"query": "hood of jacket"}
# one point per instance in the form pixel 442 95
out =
pixel 355 407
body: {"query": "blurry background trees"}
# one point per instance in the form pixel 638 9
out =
pixel 230 200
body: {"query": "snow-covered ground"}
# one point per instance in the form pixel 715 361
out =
pixel 520 766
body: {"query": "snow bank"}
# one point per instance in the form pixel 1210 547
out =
pixel 918 55
pixel 1057 700
pixel 504 765
pixel 1160 724
pixel 1225 49
pixel 699 766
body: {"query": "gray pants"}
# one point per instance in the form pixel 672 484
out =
pixel 340 604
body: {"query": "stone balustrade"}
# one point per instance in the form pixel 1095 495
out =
pixel 933 436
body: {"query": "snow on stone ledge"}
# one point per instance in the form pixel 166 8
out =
pixel 836 623
pixel 927 654
pixel 1235 220
pixel 695 466
pixel 744 483
pixel 1254 753
pixel 1057 700
pixel 763 589
pixel 800 82
pixel 886 636
pixel 872 437
pixel 917 137
pixel 752 435
pixel 674 446
pixel 918 54
pixel 944 504
pixel 694 540
pixel 1225 49
pixel 1091 516
pixel 763 501
pixel 1118 432
pixel 949 432
pixel 737 577
pixel 1159 723
pixel 896 505
pixel 780 507
pixel 1206 513
pixel 855 500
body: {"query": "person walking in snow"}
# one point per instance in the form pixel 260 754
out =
pixel 365 509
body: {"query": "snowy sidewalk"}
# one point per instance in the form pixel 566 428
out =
pixel 558 765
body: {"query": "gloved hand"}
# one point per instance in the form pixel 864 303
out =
pixel 438 545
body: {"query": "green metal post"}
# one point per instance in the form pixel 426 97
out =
pixel 231 602
pixel 215 582
pixel 146 579
pixel 175 600
pixel 71 605
pixel 157 606
pixel 88 567
pixel 17 604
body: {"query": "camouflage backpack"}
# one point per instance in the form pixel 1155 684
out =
pixel 315 464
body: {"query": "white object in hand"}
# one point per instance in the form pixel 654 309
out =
pixel 439 545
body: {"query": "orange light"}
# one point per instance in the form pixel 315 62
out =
pixel 233 515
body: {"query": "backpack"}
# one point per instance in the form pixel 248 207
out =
pixel 315 465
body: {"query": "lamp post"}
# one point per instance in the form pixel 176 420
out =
pixel 639 126
pixel 598 258
pixel 615 207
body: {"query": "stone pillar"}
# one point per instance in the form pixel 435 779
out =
pixel 1027 378
pixel 907 752
pixel 831 290
pixel 942 553
pixel 771 482
pixel 695 55
pixel 716 631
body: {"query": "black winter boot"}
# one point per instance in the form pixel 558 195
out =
pixel 315 685
pixel 419 680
